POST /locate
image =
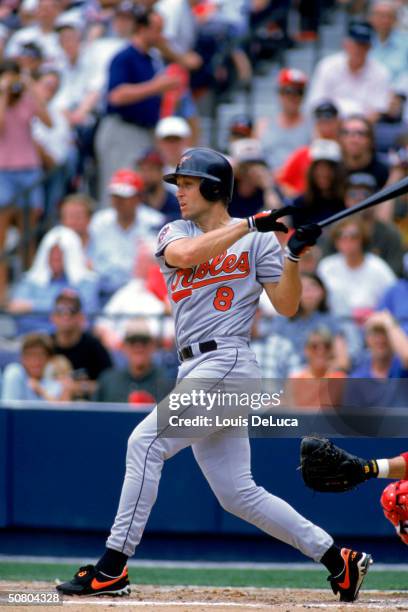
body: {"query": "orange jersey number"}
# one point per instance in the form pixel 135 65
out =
pixel 223 298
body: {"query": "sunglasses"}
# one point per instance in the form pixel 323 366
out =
pixel 316 345
pixel 361 133
pixel 352 235
pixel 145 340
pixel 359 193
pixel 66 310
pixel 291 91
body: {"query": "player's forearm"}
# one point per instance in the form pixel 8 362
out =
pixel 397 468
pixel 399 342
pixel 287 292
pixel 194 251
pixel 130 94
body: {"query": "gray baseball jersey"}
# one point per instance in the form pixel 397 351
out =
pixel 218 297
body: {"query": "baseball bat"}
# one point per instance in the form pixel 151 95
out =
pixel 392 191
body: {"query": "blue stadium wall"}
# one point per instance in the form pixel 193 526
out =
pixel 62 469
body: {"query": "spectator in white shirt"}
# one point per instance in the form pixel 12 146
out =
pixel 352 79
pixel 55 143
pixel 77 97
pixel 351 267
pixel 41 32
pixel 390 45
pixel 120 232
pixel 100 51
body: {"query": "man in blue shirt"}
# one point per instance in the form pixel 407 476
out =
pixel 134 94
pixel 395 299
pixel 387 360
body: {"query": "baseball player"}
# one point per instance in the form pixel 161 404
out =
pixel 216 268
pixel 330 469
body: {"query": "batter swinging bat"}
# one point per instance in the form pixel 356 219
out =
pixel 392 191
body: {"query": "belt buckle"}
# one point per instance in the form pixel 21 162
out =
pixel 186 353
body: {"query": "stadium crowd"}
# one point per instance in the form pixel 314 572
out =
pixel 99 98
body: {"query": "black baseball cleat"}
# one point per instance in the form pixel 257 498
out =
pixel 349 581
pixel 89 581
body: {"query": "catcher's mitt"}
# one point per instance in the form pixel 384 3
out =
pixel 330 469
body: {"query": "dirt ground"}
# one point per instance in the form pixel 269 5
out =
pixel 202 599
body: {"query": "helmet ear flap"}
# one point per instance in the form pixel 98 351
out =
pixel 210 190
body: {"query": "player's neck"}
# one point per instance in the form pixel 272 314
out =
pixel 214 219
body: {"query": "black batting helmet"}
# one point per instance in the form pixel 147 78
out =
pixel 215 171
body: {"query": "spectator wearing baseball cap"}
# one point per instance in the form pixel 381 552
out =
pixel 325 181
pixel 241 126
pixel 41 31
pixel 292 176
pixel 288 129
pixel 172 137
pixel 140 382
pixel 86 354
pixel 30 58
pixel 118 232
pixel 383 239
pixel 352 79
pixel 254 185
pixel 156 193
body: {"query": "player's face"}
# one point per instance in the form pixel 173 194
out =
pixel 192 204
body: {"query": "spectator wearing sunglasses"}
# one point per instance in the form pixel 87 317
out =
pixel 383 238
pixel 351 267
pixel 88 356
pixel 357 143
pixel 140 381
pixel 318 392
pixel 288 129
pixel 354 81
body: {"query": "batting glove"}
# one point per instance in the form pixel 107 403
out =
pixel 302 238
pixel 267 221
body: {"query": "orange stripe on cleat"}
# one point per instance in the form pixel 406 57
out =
pixel 95 584
pixel 346 582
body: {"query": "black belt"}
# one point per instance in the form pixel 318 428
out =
pixel 203 347
pixel 131 122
